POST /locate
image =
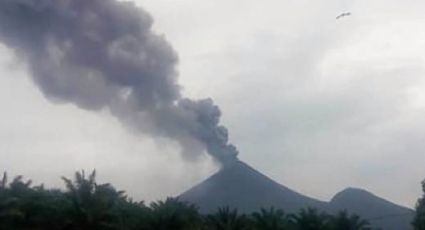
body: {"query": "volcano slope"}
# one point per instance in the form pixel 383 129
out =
pixel 237 185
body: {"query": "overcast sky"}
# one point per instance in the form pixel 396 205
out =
pixel 315 103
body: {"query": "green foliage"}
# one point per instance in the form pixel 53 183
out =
pixel 87 205
pixel 344 221
pixel 270 219
pixel 26 207
pixel 172 214
pixel 93 206
pixel 310 219
pixel 419 220
pixel 227 219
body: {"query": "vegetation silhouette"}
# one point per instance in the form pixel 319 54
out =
pixel 270 219
pixel 87 205
pixel 419 220
pixel 227 219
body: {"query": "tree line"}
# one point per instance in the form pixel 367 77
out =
pixel 87 205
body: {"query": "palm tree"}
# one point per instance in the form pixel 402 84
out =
pixel 419 220
pixel 93 206
pixel 310 219
pixel 271 219
pixel 173 214
pixel 3 182
pixel 9 208
pixel 343 221
pixel 16 199
pixel 132 215
pixel 226 219
pixel 47 208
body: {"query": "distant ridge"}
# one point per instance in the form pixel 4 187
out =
pixel 378 211
pixel 238 185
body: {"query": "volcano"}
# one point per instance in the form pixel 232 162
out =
pixel 237 185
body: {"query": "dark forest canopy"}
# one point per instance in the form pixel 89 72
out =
pixel 419 220
pixel 85 204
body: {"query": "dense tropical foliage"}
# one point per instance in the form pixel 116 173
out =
pixel 87 205
pixel 419 220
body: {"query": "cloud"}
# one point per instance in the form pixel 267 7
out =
pixel 310 100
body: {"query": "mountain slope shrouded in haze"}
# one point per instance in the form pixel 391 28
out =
pixel 239 186
pixel 378 211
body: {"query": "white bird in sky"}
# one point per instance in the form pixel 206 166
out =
pixel 346 14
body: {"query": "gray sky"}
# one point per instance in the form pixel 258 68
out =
pixel 315 103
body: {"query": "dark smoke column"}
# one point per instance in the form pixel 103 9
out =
pixel 103 55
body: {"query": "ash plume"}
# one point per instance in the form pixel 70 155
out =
pixel 103 55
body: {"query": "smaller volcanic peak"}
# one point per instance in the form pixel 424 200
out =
pixel 239 186
pixel 348 195
pixel 378 211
